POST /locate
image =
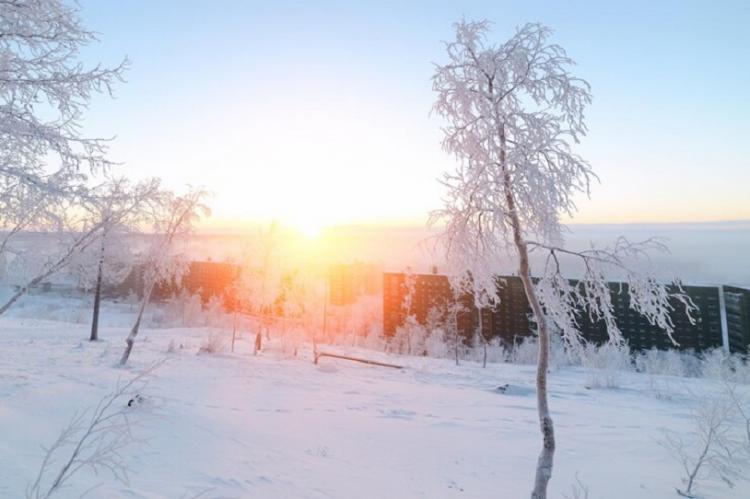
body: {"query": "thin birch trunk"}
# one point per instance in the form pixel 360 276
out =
pixel 454 323
pixel 97 296
pixel 130 340
pixel 546 457
pixel 546 426
pixel 484 340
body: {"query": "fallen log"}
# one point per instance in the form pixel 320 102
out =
pixel 318 355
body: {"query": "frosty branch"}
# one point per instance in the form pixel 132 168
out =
pixel 95 439
pixel 44 90
pixel 564 299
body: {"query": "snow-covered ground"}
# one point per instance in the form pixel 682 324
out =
pixel 273 425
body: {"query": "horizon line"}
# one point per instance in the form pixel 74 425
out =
pixel 203 228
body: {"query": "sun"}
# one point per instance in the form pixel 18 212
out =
pixel 309 228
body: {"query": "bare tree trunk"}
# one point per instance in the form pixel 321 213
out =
pixel 546 457
pixel 234 329
pixel 258 343
pixel 97 297
pixel 484 340
pixel 130 340
pixel 455 331
pixel 325 311
pixel 454 325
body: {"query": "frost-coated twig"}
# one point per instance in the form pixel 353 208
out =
pixel 564 299
pixel 578 490
pixel 97 437
pixel 713 446
pixel 742 406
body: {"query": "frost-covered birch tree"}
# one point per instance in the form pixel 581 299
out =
pixel 513 113
pixel 173 217
pixel 120 209
pixel 44 91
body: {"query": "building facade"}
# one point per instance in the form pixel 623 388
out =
pixel 510 320
pixel 702 334
pixel 737 306
pixel 421 295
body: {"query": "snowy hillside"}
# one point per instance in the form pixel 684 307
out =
pixel 243 426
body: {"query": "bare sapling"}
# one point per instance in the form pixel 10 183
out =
pixel 713 446
pixel 93 439
pixel 173 217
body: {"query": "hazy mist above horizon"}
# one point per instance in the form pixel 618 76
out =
pixel 699 253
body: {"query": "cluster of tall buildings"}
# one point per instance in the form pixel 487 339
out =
pixel 722 319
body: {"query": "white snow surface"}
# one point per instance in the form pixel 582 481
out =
pixel 234 425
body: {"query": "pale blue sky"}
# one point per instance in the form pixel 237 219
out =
pixel 318 112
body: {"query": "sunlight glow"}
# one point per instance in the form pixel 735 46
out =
pixel 310 228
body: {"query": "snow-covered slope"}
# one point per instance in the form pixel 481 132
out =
pixel 267 426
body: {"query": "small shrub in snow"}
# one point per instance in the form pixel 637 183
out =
pixel 496 352
pixel 214 343
pixel 691 362
pixel 435 344
pixel 215 314
pixel 717 364
pixel 714 364
pixel 559 355
pixel 657 364
pixel 410 338
pixel 289 341
pixel 524 352
pixel 660 362
pixel 187 309
pixel 374 339
pixel 604 364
